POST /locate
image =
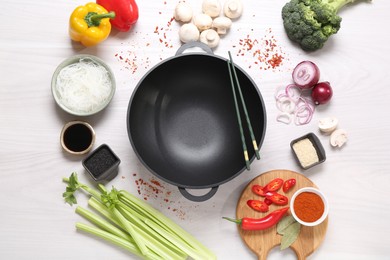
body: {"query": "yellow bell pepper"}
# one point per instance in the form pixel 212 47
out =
pixel 90 24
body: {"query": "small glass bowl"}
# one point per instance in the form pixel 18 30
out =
pixel 76 59
pixel 319 193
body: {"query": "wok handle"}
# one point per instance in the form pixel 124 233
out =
pixel 194 44
pixel 201 198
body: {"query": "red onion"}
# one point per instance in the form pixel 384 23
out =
pixel 292 102
pixel 306 74
pixel 321 93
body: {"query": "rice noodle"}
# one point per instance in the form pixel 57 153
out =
pixel 83 86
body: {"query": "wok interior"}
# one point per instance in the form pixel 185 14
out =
pixel 183 125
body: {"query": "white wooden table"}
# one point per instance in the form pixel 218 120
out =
pixel 36 224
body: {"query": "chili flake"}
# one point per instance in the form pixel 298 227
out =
pixel 264 52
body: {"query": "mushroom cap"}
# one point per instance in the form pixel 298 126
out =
pixel 188 32
pixel 211 7
pixel 183 12
pixel 222 24
pixel 203 21
pixel 328 124
pixel 233 8
pixel 210 37
pixel 338 138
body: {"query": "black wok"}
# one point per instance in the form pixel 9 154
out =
pixel 182 122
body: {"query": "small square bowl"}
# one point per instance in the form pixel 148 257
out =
pixel 302 156
pixel 323 198
pixel 102 164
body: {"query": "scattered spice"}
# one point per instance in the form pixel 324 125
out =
pixel 162 33
pixel 308 206
pixel 264 53
pixel 154 190
pixel 131 61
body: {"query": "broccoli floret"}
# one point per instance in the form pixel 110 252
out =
pixel 311 22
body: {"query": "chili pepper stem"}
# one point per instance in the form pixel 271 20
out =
pixel 93 19
pixel 237 221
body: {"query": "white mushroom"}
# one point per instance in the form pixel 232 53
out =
pixel 338 138
pixel 183 12
pixel 188 32
pixel 233 8
pixel 202 21
pixel 211 7
pixel 328 124
pixel 222 24
pixel 210 37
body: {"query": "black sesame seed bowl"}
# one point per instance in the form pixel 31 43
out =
pixel 102 164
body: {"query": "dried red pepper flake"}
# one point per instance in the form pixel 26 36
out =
pixel 264 52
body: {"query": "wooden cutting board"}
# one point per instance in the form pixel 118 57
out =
pixel 262 241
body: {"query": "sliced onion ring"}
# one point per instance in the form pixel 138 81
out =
pixel 285 104
pixel 293 102
pixel 284 118
pixel 293 92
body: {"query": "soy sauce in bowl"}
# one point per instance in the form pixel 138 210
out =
pixel 77 137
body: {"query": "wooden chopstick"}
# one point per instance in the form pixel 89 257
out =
pixel 254 143
pixel 246 157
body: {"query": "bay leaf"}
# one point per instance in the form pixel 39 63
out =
pixel 284 223
pixel 290 234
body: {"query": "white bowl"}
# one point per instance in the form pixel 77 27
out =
pixel 319 193
pixel 72 60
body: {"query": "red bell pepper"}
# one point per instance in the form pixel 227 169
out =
pixel 126 13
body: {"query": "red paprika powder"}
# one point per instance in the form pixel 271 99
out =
pixel 308 206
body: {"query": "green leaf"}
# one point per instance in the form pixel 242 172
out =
pixel 290 234
pixel 110 199
pixel 69 198
pixel 73 186
pixel 284 223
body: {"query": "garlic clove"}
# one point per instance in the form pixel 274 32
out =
pixel 328 124
pixel 338 138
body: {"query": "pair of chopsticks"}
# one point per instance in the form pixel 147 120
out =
pixel 236 82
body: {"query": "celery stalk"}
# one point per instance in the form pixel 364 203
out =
pixel 116 240
pixel 159 247
pixel 129 228
pixel 193 253
pixel 165 246
pixel 103 210
pixel 103 224
pixel 134 225
pixel 167 223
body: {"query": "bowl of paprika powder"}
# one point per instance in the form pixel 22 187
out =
pixel 309 206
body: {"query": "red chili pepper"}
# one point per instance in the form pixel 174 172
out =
pixel 260 223
pixel 126 13
pixel 258 205
pixel 278 199
pixel 259 190
pixel 274 185
pixel 267 201
pixel 287 185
